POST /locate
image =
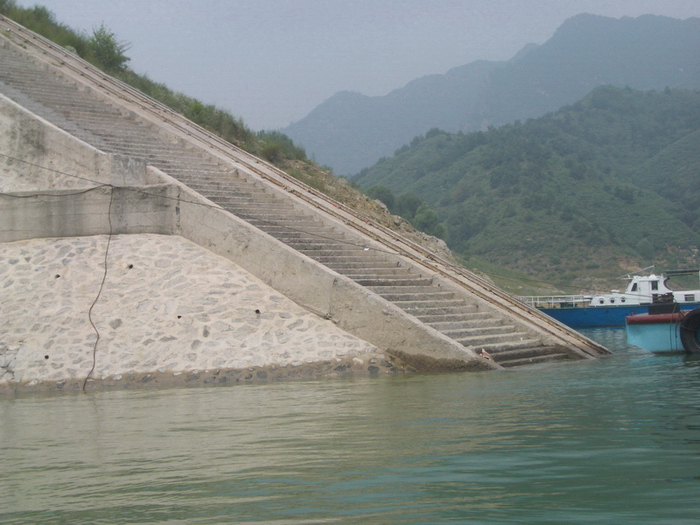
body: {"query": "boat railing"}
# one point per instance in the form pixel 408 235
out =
pixel 556 301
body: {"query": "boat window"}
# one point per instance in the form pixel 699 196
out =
pixel 634 287
pixel 612 301
pixel 602 301
pixel 690 297
pixel 654 285
pixel 622 300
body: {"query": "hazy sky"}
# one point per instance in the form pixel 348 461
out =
pixel 271 62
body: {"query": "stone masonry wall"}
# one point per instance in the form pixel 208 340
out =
pixel 169 312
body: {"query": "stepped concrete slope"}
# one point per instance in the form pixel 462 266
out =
pixel 324 256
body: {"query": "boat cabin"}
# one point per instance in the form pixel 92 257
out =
pixel 643 288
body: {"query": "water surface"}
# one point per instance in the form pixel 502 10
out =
pixel 615 440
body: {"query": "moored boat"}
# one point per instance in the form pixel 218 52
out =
pixel 611 309
pixel 656 333
pixel 663 332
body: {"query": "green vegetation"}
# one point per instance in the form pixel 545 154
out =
pixel 592 191
pixel 412 208
pixel 108 51
pixel 42 21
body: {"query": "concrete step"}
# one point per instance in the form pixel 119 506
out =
pixel 285 233
pixel 220 190
pixel 380 282
pixel 365 265
pixel 252 202
pixel 522 353
pixel 190 176
pixel 245 198
pixel 543 358
pixel 264 210
pixel 419 289
pixel 318 252
pixel 480 340
pixel 420 308
pixel 400 298
pixel 388 272
pixel 268 222
pixel 176 157
pixel 311 242
pixel 315 256
pixel 460 322
pixel 353 260
pixel 228 174
pixel 316 235
pixel 466 333
pixel 494 348
pixel 81 111
pixel 223 190
pixel 260 215
pixel 472 314
pixel 123 130
pixel 321 231
pixel 222 177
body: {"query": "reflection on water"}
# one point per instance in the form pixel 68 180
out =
pixel 612 440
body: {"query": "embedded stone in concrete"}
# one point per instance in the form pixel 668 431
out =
pixel 196 314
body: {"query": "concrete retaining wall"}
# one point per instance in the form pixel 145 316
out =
pixel 35 154
pixel 67 213
pixel 167 312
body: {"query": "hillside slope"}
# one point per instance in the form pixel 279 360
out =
pixel 596 189
pixel 350 131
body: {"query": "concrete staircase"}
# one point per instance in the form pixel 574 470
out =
pixel 107 125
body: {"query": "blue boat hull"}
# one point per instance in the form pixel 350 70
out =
pixel 594 316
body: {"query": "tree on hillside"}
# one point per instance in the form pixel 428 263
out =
pixel 426 220
pixel 383 194
pixel 407 205
pixel 108 50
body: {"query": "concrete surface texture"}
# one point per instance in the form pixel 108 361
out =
pixel 168 308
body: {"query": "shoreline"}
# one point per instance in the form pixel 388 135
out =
pixel 369 365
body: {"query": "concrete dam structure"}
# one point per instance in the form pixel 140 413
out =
pixel 211 261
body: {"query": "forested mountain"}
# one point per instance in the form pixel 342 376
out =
pixel 596 189
pixel 350 131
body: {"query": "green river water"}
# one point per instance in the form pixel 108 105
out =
pixel 615 440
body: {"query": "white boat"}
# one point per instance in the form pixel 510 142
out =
pixel 611 309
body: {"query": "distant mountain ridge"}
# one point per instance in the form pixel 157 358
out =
pixel 350 131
